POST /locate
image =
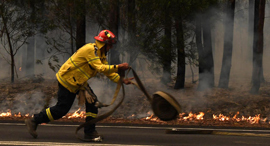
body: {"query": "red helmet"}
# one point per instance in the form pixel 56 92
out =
pixel 106 36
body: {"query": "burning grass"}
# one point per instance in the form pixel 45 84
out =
pixel 184 119
pixel 219 107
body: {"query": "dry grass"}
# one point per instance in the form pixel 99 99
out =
pixel 135 107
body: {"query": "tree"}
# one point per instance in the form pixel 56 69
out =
pixel 228 44
pixel 180 46
pixel 259 14
pixel 132 48
pixel 179 25
pixel 206 62
pixel 69 28
pixel 15 30
pixel 113 22
pixel 106 14
pixel 69 12
pixel 199 45
pixel 81 23
pixel 167 44
pixel 250 24
pixel 30 51
pixel 155 36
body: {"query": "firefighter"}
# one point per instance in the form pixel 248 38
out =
pixel 72 77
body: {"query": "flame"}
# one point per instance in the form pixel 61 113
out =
pixel 76 114
pixel 150 117
pixel 200 116
pixel 153 118
pixel 20 69
pixel 7 114
pixel 190 117
pixel 252 120
pixel 222 118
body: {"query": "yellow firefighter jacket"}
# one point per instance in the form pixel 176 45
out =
pixel 83 65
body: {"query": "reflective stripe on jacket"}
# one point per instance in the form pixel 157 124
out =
pixel 83 65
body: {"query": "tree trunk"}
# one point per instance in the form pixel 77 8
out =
pixel 113 26
pixel 181 64
pixel 80 25
pixel 133 52
pixel 209 55
pixel 206 79
pixel 12 63
pixel 30 62
pixel 71 28
pixel 167 46
pixel 198 32
pixel 228 45
pixel 258 45
pixel 12 66
pixel 250 28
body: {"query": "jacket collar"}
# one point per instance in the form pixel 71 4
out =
pixel 99 44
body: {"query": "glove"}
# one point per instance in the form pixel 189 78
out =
pixel 91 96
pixel 127 81
pixel 123 66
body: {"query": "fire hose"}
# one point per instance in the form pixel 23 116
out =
pixel 163 104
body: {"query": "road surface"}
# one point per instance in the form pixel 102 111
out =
pixel 57 134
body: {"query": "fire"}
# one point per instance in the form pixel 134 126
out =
pixel 191 116
pixel 20 69
pixel 200 116
pixel 222 118
pixel 252 120
pixel 76 114
pixel 7 114
pixel 183 117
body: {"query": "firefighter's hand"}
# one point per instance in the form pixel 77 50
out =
pixel 123 66
pixel 127 81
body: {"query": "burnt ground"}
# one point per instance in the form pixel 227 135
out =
pixel 31 96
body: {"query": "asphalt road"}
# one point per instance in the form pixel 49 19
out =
pixel 56 134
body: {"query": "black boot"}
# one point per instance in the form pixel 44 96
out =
pixel 94 136
pixel 31 126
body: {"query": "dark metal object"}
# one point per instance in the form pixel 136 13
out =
pixel 163 109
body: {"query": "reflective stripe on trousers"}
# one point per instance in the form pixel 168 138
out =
pixel 49 114
pixel 89 114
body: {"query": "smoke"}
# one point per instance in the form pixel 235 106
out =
pixel 28 102
pixel 241 69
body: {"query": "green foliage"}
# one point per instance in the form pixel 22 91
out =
pixel 57 19
pixel 39 62
pixel 63 15
pixel 151 19
pixel 52 62
pixel 14 27
pixel 19 20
